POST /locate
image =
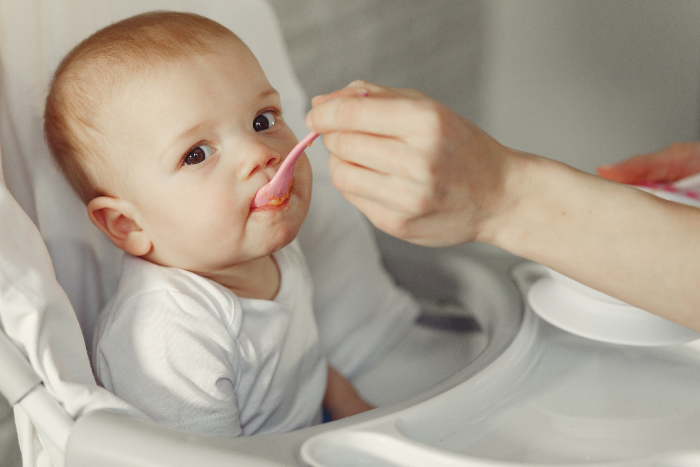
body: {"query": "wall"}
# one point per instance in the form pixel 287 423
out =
pixel 588 82
pixel 435 46
pixel 584 82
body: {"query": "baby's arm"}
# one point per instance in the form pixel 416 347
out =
pixel 342 400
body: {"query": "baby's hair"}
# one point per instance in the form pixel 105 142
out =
pixel 97 69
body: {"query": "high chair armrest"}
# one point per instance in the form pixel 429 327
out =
pixel 18 378
pixel 111 439
pixel 21 386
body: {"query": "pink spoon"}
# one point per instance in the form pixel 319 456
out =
pixel 276 191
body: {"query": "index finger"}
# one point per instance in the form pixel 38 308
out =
pixel 391 113
pixel 356 88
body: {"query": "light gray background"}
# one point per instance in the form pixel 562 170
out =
pixel 584 82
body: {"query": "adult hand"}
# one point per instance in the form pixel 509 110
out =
pixel 677 161
pixel 423 173
pixel 416 169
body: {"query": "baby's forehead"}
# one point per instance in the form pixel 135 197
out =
pixel 131 72
pixel 141 85
pixel 137 71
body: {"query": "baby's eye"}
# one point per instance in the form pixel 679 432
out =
pixel 198 154
pixel 264 121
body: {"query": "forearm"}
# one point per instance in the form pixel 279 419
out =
pixel 614 238
pixel 341 399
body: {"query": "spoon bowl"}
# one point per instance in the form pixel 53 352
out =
pixel 276 191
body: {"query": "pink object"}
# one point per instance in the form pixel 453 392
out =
pixel 670 188
pixel 688 187
pixel 276 191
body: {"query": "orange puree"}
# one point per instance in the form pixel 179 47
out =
pixel 277 200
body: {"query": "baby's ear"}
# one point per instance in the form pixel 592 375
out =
pixel 115 218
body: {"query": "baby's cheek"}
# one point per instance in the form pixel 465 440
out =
pixel 303 178
pixel 207 219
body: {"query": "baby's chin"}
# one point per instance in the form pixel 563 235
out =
pixel 283 238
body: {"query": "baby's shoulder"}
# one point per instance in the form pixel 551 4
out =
pixel 154 293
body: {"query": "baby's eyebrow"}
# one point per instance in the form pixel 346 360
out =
pixel 268 92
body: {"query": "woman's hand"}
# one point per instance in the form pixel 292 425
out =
pixel 416 169
pixel 677 161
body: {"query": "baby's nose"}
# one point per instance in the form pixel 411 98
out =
pixel 259 158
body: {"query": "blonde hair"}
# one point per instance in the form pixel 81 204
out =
pixel 96 69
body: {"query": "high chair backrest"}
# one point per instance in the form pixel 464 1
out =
pixel 35 312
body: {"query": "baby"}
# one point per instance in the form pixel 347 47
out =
pixel 166 126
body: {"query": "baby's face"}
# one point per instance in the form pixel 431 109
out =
pixel 195 142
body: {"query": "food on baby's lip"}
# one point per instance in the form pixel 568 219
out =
pixel 278 198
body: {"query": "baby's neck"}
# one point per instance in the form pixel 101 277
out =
pixel 259 278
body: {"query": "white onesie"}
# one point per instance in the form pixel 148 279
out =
pixel 192 355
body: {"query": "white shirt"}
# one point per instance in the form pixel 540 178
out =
pixel 192 355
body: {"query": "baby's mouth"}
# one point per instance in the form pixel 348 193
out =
pixel 283 198
pixel 274 199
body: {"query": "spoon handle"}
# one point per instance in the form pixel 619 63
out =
pixel 280 182
pixel 278 188
pixel 288 163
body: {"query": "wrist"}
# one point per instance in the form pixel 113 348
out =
pixel 519 183
pixel 553 207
